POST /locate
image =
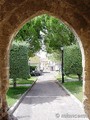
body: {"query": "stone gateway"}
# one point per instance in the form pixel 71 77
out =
pixel 15 13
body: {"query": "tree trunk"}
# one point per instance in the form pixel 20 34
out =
pixel 79 77
pixel 14 82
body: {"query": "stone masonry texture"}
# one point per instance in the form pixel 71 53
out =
pixel 15 13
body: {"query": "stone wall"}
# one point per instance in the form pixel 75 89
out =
pixel 15 13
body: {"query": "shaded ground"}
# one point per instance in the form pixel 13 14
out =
pixel 48 101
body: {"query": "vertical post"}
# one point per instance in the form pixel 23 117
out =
pixel 62 65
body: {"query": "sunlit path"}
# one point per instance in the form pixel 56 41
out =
pixel 48 101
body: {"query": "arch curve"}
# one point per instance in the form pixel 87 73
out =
pixel 15 13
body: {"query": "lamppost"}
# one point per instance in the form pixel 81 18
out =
pixel 62 50
pixel 29 67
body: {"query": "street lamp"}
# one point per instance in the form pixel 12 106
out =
pixel 62 65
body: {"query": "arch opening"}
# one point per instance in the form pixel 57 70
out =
pixel 79 41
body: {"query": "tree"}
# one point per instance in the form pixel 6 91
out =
pixel 58 34
pixel 30 34
pixel 73 60
pixel 45 30
pixel 19 61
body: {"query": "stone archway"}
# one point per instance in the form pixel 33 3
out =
pixel 14 13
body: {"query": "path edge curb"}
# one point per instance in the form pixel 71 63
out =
pixel 14 107
pixel 72 96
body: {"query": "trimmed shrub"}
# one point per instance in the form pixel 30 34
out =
pixel 19 60
pixel 73 60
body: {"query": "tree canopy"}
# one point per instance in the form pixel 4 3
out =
pixel 45 30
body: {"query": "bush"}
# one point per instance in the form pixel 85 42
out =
pixel 73 60
pixel 19 60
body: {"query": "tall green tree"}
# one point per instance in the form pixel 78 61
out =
pixel 19 61
pixel 73 60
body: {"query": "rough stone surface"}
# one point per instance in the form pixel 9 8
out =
pixel 15 13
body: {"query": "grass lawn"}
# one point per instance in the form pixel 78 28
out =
pixel 14 94
pixel 24 81
pixel 75 87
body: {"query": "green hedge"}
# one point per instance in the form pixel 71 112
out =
pixel 19 60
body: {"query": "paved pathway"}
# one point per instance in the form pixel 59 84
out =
pixel 48 101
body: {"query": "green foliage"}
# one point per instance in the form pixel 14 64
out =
pixel 58 34
pixel 73 60
pixel 19 60
pixel 45 30
pixel 30 33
